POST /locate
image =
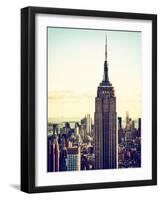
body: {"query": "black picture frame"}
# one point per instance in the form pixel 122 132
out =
pixel 28 98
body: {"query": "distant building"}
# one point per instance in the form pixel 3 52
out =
pixel 63 154
pixel 88 124
pixel 50 154
pixel 56 152
pixel 85 126
pixel 73 159
pixel 139 126
pixel 56 155
pixel 121 136
pixel 119 123
pixel 84 163
pixel 53 149
pixel 63 160
pixel 127 119
pixel 133 124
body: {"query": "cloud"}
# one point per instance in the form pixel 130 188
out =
pixel 68 95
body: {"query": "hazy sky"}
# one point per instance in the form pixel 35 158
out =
pixel 75 69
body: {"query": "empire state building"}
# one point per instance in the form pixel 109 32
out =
pixel 105 123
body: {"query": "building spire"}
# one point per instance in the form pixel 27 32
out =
pixel 106 49
pixel 105 81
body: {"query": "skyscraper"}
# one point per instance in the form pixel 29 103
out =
pixel 73 159
pixel 105 122
pixel 139 126
pixel 88 122
pixel 50 154
pixel 55 152
pixel 119 123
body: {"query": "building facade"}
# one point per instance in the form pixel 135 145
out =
pixel 73 159
pixel 105 118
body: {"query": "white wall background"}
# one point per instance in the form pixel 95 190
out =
pixel 10 98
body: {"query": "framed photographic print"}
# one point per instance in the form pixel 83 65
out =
pixel 88 99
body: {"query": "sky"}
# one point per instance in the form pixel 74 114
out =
pixel 75 69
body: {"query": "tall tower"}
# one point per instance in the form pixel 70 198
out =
pixel 105 123
pixel 56 153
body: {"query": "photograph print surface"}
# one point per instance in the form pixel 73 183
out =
pixel 94 99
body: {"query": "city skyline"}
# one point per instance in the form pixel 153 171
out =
pixel 73 146
pixel 67 91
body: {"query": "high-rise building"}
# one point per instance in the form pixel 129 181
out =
pixel 139 126
pixel 63 160
pixel 105 123
pixel 88 124
pixel 50 153
pixel 127 118
pixel 119 123
pixel 133 124
pixel 63 154
pixel 73 159
pixel 120 131
pixel 56 152
pixel 53 149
